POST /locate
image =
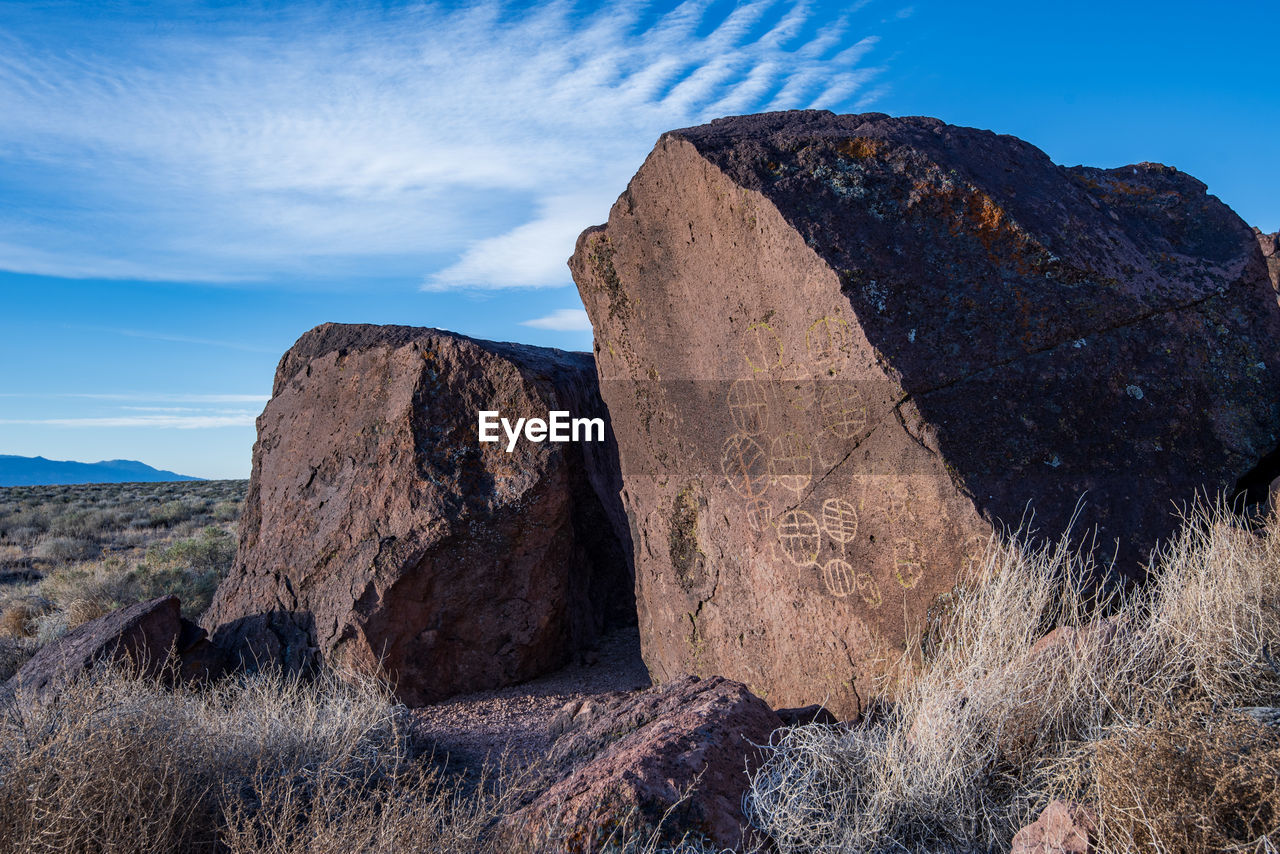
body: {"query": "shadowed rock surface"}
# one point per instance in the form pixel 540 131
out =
pixel 839 350
pixel 637 755
pixel 1270 244
pixel 379 533
pixel 143 634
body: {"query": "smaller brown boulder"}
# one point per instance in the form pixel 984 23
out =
pixel 1098 635
pixel 143 634
pixel 674 759
pixel 814 713
pixel 1063 828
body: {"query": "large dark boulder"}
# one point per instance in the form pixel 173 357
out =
pixel 838 351
pixel 380 533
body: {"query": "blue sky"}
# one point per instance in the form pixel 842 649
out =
pixel 187 187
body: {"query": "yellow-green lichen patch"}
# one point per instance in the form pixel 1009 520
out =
pixel 682 539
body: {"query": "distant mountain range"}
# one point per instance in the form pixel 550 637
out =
pixel 37 471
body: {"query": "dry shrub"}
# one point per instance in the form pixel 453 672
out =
pixel 119 763
pixel 1191 781
pixel 112 781
pixel 106 581
pixel 615 829
pixel 262 765
pixel 188 568
pixel 16 620
pixel 15 652
pixel 81 611
pixel 401 807
pixel 981 735
pixel 63 549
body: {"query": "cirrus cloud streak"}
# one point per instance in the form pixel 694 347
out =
pixel 464 147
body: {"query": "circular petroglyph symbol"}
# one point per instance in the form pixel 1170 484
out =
pixel 842 409
pixel 748 403
pixel 828 341
pixel 799 537
pixel 838 576
pixel 908 567
pixel 790 462
pixel 763 348
pixel 839 520
pixel 759 514
pixel 744 462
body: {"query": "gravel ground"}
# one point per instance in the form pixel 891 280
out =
pixel 516 719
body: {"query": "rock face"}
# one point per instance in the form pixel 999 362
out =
pixel 1063 828
pixel 839 350
pixel 1270 244
pixel 638 755
pixel 144 634
pixel 380 533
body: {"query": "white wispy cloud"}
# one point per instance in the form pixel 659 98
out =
pixel 172 422
pixel 142 397
pixel 562 320
pixel 189 339
pixel 468 145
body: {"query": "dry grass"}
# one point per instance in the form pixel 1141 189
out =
pixel 263 765
pixel 268 764
pixel 18 616
pixel 14 652
pixel 80 551
pixel 1193 781
pixel 984 733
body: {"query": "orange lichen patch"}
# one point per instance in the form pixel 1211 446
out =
pixel 860 148
pixel 988 219
pixel 968 210
pixel 1001 237
pixel 1126 188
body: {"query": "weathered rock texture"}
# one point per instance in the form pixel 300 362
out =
pixel 379 533
pixel 1063 828
pixel 1270 244
pixel 683 751
pixel 143 635
pixel 838 350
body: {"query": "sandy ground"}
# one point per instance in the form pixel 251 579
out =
pixel 517 719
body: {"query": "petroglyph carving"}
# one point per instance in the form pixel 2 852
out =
pixel 746 465
pixel 907 565
pixel 764 348
pixel 897 506
pixel 840 520
pixel 828 341
pixel 799 536
pixel 838 576
pixel 800 391
pixel 868 589
pixel 791 463
pixel 748 402
pixel 759 514
pixel 842 409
